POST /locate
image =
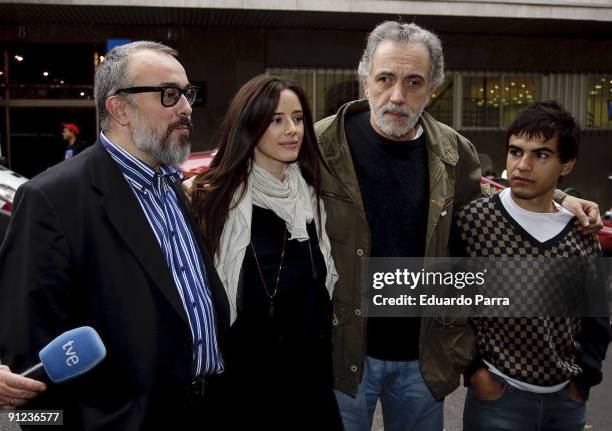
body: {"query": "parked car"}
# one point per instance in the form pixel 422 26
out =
pixel 9 183
pixel 5 218
pixel 494 184
pixel 605 235
pixel 197 163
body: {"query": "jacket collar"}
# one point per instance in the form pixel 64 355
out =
pixel 127 218
pixel 337 153
pixel 437 142
pixel 442 153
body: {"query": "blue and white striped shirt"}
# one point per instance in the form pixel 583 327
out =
pixel 158 200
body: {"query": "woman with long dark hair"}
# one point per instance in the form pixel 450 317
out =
pixel 259 212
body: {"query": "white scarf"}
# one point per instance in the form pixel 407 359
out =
pixel 293 200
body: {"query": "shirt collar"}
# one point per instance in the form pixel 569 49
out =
pixel 419 132
pixel 135 169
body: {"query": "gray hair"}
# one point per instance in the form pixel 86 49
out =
pixel 112 74
pixel 404 33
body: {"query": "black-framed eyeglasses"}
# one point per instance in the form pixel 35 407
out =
pixel 169 94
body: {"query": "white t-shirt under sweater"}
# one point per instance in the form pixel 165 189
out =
pixel 541 226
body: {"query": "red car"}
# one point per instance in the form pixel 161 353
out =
pixel 494 184
pixel 605 235
pixel 197 163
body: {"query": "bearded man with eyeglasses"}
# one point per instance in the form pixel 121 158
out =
pixel 105 240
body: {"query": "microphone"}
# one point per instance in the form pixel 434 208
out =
pixel 69 355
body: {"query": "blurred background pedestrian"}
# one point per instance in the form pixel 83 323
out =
pixel 74 145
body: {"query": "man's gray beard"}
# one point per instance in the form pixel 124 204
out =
pixel 394 128
pixel 158 146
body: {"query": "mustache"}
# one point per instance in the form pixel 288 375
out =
pixel 394 109
pixel 181 122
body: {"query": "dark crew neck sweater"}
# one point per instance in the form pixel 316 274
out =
pixel 394 181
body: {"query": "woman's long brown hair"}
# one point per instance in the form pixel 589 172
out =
pixel 249 115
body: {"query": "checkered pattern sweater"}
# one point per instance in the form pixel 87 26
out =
pixel 539 351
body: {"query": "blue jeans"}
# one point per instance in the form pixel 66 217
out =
pixel 407 403
pixel 517 410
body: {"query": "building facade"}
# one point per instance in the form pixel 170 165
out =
pixel 500 55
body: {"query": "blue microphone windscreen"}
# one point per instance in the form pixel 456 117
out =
pixel 73 353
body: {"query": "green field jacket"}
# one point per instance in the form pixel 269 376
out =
pixel 445 346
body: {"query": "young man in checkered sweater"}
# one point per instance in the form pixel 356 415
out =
pixel 531 373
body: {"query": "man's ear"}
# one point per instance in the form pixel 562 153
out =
pixel 118 108
pixel 364 82
pixel 567 167
pixel 429 93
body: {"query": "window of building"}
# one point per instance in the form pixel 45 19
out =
pixel 481 101
pixel 473 100
pixel 53 84
pixel 599 102
pixel 493 100
pixel 326 89
pixel 518 91
pixel 441 102
pixel 37 72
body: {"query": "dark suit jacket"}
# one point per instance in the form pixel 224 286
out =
pixel 79 251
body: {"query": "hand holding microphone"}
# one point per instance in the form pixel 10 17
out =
pixel 69 355
pixel 16 390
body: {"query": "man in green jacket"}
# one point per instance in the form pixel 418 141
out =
pixel 395 178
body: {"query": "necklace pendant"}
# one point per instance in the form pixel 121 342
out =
pixel 271 310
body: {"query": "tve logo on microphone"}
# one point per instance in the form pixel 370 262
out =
pixel 72 358
pixel 72 354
